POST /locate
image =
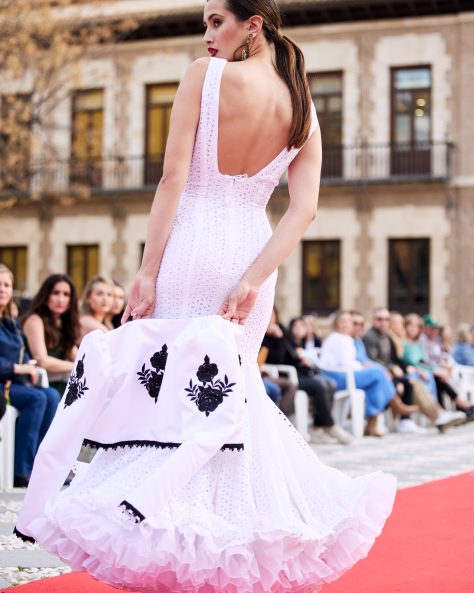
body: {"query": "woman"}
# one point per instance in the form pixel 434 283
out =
pixel 282 350
pixel 113 319
pixel 233 525
pixel 463 351
pixel 304 338
pixel 52 329
pixel 338 353
pixel 96 304
pixel 435 377
pixel 36 405
pixel 423 397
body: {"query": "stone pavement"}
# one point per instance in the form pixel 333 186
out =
pixel 413 459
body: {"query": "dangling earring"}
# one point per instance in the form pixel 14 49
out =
pixel 247 46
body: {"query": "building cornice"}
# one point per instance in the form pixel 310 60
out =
pixel 169 18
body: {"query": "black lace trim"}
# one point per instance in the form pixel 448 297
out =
pixel 23 537
pixel 132 511
pixel 155 444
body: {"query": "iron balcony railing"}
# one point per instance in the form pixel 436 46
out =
pixel 345 165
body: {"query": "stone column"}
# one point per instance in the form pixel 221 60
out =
pixel 45 250
pixel 119 246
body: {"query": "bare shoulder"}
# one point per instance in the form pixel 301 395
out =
pixel 33 322
pixel 196 72
pixel 89 323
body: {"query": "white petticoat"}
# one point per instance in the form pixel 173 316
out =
pixel 269 519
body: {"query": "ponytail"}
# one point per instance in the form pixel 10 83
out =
pixel 289 62
pixel 290 65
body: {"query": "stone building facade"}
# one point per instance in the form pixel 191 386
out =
pixel 396 210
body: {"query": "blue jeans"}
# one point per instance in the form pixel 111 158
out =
pixel 36 407
pixel 273 390
pixel 379 390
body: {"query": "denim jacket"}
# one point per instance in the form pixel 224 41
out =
pixel 12 347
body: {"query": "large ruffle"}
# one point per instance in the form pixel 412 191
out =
pixel 269 519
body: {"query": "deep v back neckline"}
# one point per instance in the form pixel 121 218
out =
pixel 215 139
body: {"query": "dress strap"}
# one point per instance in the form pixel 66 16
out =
pixel 209 119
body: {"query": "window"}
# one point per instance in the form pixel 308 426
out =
pixel 409 275
pixel 411 120
pixel 82 264
pixel 87 137
pixel 15 141
pixel 326 89
pixel 15 259
pixel 159 101
pixel 321 276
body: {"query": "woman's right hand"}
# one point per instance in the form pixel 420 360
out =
pixel 26 369
pixel 141 300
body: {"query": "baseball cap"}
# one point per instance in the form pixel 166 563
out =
pixel 430 321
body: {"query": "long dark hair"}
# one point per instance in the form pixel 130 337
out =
pixel 65 337
pixel 290 62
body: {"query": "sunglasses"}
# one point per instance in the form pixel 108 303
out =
pixel 382 318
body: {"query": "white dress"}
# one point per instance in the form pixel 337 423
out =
pixel 268 517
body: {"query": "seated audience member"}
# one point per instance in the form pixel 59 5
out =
pixel 313 339
pixel 96 303
pixel 113 318
pixel 463 350
pixel 18 375
pixel 3 399
pixel 338 354
pixel 416 355
pixel 320 390
pixel 422 397
pixel 381 349
pixel 358 330
pixel 273 390
pixel 446 341
pixel 281 390
pixel 52 328
pixel 299 332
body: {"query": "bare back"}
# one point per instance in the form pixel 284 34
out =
pixel 255 116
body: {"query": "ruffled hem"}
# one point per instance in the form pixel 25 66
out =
pixel 187 555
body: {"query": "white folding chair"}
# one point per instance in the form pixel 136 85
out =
pixel 301 416
pixel 348 407
pixel 463 381
pixel 7 448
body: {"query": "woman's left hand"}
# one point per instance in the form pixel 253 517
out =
pixel 239 303
pixel 141 300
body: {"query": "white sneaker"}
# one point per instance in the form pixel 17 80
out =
pixel 320 437
pixel 341 435
pixel 448 418
pixel 407 425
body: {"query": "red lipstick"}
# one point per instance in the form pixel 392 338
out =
pixel 212 51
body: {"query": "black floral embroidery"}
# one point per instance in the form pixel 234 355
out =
pixel 210 394
pixel 77 384
pixel 153 379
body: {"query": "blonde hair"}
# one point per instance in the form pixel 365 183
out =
pixel 336 316
pixel 85 307
pixel 463 332
pixel 414 317
pixel 8 308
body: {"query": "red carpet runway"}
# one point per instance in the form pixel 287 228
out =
pixel 427 546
